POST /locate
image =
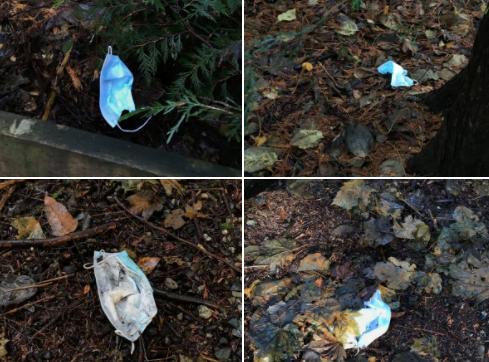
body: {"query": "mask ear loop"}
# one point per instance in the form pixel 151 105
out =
pixel 134 130
pixel 88 266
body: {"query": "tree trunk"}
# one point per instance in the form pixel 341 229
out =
pixel 459 148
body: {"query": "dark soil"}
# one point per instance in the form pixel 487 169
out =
pixel 71 326
pixel 33 35
pixel 459 325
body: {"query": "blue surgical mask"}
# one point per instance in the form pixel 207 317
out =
pixel 115 89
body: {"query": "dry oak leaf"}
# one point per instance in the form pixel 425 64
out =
pixel 174 220
pixel 169 185
pixel 145 203
pixel 59 218
pixel 28 228
pixel 148 263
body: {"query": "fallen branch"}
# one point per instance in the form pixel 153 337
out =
pixel 8 183
pixel 237 270
pixel 7 196
pixel 59 239
pixel 185 298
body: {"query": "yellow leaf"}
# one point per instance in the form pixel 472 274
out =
pixel 250 292
pixel 259 141
pixel 307 66
pixel 86 289
pixel 270 93
pixel 174 259
pixel 386 10
pixel 371 359
pixel 28 228
pixel 201 246
pixel 287 16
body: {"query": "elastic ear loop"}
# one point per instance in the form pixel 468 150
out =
pixel 134 130
pixel 100 262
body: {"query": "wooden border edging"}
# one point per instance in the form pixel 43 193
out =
pixel 34 148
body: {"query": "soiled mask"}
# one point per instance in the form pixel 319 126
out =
pixel 125 293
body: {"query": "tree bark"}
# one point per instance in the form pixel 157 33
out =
pixel 460 146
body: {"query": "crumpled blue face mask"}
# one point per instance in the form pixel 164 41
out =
pixel 115 90
pixel 399 78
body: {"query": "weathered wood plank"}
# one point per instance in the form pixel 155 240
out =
pixel 34 148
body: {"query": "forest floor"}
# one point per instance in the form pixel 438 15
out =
pixel 198 258
pixel 290 299
pixel 317 104
pixel 33 41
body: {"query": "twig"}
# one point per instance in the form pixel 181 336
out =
pixel 161 38
pixel 223 192
pixel 177 237
pixel 60 69
pixel 196 219
pixel 7 196
pixel 59 239
pixel 29 304
pixel 185 298
pixel 328 13
pixel 8 183
pixel 39 285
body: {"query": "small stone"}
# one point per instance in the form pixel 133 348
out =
pixel 204 196
pixel 251 222
pixel 208 335
pixel 223 340
pixel 483 315
pixel 481 350
pixel 222 354
pixel 234 322
pixel 225 232
pixel 171 284
pixel 251 129
pixel 395 305
pixel 48 355
pixel 207 237
pixel 204 312
pixel 232 249
pixel 180 316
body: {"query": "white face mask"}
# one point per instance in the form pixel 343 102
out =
pixel 125 294
pixel 115 88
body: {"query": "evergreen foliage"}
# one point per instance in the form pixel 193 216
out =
pixel 196 44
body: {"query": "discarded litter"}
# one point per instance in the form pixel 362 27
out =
pixel 373 322
pixel 115 90
pixel 125 293
pixel 399 78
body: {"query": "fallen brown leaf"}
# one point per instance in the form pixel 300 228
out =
pixel 174 220
pixel 59 218
pixel 148 263
pixel 145 203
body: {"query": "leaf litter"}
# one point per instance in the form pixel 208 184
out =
pixel 316 304
pixel 62 320
pixel 321 57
